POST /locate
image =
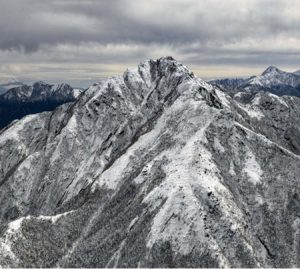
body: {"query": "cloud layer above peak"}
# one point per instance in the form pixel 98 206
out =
pixel 233 33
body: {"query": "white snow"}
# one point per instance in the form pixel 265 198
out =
pixel 251 110
pixel 76 92
pixel 252 169
pixel 6 251
pixel 13 132
pixel 144 68
pixel 54 218
pixel 15 225
pixel 274 76
pixel 112 176
pixel 239 94
pixel 231 169
pixel 279 99
pixel 268 141
pixel 259 200
pixel 132 223
pixel 72 126
pixel 218 146
pixel 256 100
pixel 180 220
pixel 141 178
pixel 257 81
pixel 223 97
pixel 14 233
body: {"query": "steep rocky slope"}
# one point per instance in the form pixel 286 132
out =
pixel 154 168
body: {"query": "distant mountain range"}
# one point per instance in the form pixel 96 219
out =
pixel 22 100
pixel 297 72
pixel 7 84
pixel 272 80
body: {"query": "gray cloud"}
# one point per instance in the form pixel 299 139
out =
pixel 232 32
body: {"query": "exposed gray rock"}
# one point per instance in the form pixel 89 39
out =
pixel 155 168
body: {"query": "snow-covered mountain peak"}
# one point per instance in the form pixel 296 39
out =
pixel 152 83
pixel 164 67
pixel 62 88
pixel 272 80
pixel 273 76
pixel 154 168
pixel 271 69
pixel 297 72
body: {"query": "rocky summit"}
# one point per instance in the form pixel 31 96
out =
pixel 155 168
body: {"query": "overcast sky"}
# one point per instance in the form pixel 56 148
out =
pixel 82 41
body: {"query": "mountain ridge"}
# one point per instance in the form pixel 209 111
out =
pixel 271 69
pixel 7 84
pixel 20 101
pixel 39 91
pixel 297 72
pixel 155 168
pixel 272 80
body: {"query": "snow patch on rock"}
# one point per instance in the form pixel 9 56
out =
pixel 13 132
pixel 252 111
pixel 231 169
pixel 279 99
pixel 181 217
pixel 252 169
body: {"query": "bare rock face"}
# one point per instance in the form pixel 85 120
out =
pixel 153 169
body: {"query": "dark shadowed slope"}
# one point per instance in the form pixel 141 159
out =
pixel 23 100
